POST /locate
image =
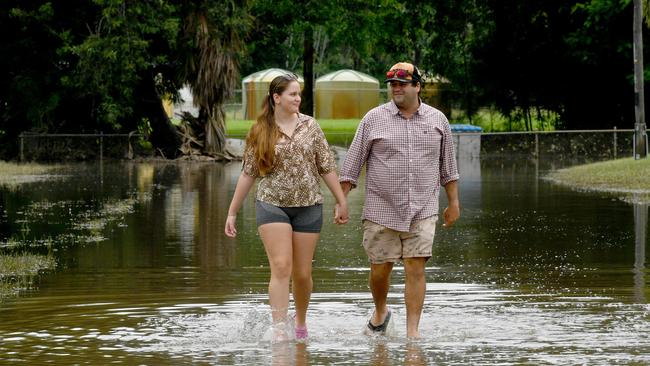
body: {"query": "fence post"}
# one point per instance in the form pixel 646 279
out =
pixel 22 147
pixel 615 147
pixel 536 145
pixel 101 146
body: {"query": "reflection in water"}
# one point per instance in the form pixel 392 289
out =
pixel 381 356
pixel 415 355
pixel 532 274
pixel 640 229
pixel 289 354
pixel 194 212
pixel 214 195
pixel 470 184
pixel 180 218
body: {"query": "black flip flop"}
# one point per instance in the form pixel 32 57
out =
pixel 381 328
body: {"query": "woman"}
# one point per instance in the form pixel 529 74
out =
pixel 287 150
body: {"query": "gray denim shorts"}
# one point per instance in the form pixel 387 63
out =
pixel 308 219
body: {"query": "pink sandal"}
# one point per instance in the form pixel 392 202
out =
pixel 301 333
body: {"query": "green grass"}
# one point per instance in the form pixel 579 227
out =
pixel 491 120
pixel 24 264
pixel 17 272
pixel 14 174
pixel 621 175
pixel 7 168
pixel 341 131
pixel 238 127
pixel 337 131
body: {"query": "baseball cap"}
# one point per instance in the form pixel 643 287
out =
pixel 404 72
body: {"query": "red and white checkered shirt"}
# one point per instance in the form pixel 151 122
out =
pixel 407 160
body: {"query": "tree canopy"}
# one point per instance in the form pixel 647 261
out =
pixel 105 65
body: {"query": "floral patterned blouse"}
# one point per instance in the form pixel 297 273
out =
pixel 300 160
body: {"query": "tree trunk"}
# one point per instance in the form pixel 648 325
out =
pixel 163 135
pixel 640 133
pixel 215 132
pixel 307 105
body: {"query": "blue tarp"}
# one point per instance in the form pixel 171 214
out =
pixel 465 128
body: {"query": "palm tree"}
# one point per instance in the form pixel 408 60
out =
pixel 215 33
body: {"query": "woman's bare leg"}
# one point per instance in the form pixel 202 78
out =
pixel 304 246
pixel 277 239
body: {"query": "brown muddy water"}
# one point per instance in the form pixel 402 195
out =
pixel 533 273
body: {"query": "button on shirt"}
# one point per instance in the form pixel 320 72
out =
pixel 407 160
pixel 299 162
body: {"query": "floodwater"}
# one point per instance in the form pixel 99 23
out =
pixel 533 273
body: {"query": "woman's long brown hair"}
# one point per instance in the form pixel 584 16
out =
pixel 265 132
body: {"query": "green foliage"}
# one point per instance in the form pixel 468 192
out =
pixel 144 129
pixel 29 96
pixel 79 68
pixel 102 65
pixel 128 42
pixel 573 59
pixel 491 120
pixel 19 272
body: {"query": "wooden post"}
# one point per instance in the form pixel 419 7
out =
pixel 615 145
pixel 22 148
pixel 536 145
pixel 640 138
pixel 101 147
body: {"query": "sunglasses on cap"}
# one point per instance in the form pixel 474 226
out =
pixel 399 74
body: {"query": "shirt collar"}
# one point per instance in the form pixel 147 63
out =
pixel 393 109
pixel 303 120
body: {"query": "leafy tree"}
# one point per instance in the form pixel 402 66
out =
pixel 570 58
pixel 106 65
pixel 214 38
pixel 32 91
pixel 88 67
pixel 600 65
pixel 287 31
pixel 120 65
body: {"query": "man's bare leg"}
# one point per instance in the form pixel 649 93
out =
pixel 379 285
pixel 416 286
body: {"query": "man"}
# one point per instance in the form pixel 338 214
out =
pixel 408 151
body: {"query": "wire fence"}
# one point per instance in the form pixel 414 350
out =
pixel 79 147
pixel 595 144
pixel 568 144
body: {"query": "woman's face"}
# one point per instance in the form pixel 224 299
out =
pixel 289 100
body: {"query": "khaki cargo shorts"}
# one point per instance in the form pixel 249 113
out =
pixel 387 245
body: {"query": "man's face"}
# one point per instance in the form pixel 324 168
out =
pixel 404 94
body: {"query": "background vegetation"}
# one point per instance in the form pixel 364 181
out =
pixel 80 67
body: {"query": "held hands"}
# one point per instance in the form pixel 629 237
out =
pixel 451 214
pixel 341 214
pixel 231 229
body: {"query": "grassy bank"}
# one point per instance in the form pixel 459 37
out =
pixel 341 131
pixel 337 131
pixel 18 272
pixel 489 119
pixel 14 174
pixel 626 176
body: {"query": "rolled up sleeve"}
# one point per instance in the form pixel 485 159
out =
pixel 249 165
pixel 448 166
pixel 325 161
pixel 356 155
